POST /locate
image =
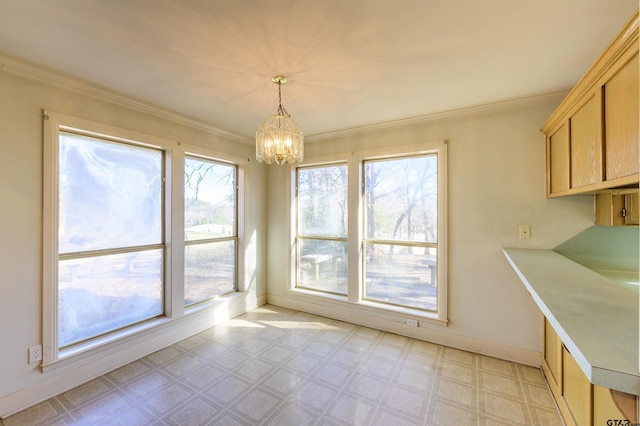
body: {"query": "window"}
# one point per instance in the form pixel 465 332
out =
pixel 211 237
pixel 401 232
pixel 387 210
pixel 120 254
pixel 110 236
pixel 322 228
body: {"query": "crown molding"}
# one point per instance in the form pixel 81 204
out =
pixel 509 104
pixel 35 72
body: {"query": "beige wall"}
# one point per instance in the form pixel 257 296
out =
pixel 496 181
pixel 21 103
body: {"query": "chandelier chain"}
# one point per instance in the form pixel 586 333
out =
pixel 281 110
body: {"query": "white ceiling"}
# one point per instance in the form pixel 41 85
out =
pixel 350 63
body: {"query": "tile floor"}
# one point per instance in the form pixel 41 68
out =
pixel 276 366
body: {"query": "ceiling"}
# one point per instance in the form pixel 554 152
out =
pixel 350 63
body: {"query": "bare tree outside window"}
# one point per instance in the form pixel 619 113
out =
pixel 401 204
pixel 210 209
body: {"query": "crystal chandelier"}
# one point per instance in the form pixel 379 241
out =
pixel 278 139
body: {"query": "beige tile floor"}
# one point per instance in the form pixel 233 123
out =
pixel 276 366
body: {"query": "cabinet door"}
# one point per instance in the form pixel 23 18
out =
pixel 558 158
pixel 577 390
pixel 552 362
pixel 632 209
pixel 586 148
pixel 621 121
pixel 606 410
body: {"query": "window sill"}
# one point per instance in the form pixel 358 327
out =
pixel 104 345
pixel 392 312
pixel 211 303
pixel 101 347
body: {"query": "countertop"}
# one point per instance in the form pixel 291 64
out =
pixel 595 314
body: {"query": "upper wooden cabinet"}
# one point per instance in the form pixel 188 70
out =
pixel 558 160
pixel 621 120
pixel 586 144
pixel 592 138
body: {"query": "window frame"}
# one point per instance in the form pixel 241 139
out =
pixel 77 254
pixel 356 235
pixel 308 237
pixel 234 238
pixel 373 241
pixel 173 231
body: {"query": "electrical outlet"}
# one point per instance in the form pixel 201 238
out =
pixel 412 322
pixel 35 354
pixel 524 232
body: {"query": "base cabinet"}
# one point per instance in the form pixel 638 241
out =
pixel 577 390
pixel 580 402
pixel 552 361
pixel 613 408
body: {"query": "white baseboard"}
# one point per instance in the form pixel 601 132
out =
pixel 146 344
pixel 493 349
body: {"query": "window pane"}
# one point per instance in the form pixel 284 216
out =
pixel 209 199
pixel 110 194
pixel 401 275
pixel 100 294
pixel 322 201
pixel 401 198
pixel 209 270
pixel 322 265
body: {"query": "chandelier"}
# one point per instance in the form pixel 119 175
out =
pixel 278 139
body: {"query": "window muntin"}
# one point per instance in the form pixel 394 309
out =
pixel 210 229
pixel 321 261
pixel 110 236
pixel 401 231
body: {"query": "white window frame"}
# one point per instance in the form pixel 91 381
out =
pixel 173 211
pixel 235 238
pixel 355 232
pixel 296 227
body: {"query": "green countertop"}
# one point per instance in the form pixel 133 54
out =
pixel 594 313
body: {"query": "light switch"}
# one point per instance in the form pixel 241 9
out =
pixel 524 231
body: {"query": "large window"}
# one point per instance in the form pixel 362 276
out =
pixel 401 231
pixel 210 231
pixel 110 236
pixel 120 254
pixel 385 211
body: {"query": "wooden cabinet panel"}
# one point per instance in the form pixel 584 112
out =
pixel 632 207
pixel 552 359
pixel 558 167
pixel 621 118
pixel 606 410
pixel 609 208
pixel 577 390
pixel 586 151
